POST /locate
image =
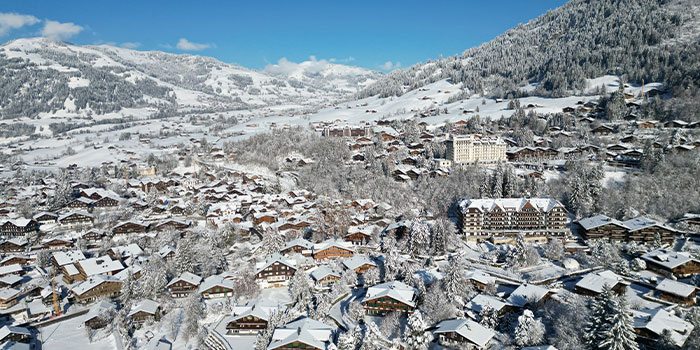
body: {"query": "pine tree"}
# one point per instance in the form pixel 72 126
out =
pixel 416 336
pixel 454 284
pixel 599 321
pixel 488 317
pixel 620 334
pixel 530 331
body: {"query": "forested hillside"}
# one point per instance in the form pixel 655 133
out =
pixel 643 40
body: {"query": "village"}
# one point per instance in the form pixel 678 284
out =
pixel 211 252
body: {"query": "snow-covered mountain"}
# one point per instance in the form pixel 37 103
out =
pixel 646 40
pixel 44 76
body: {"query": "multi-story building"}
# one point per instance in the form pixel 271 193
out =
pixel 536 218
pixel 639 229
pixel 473 149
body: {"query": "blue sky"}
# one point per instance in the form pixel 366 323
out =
pixel 380 35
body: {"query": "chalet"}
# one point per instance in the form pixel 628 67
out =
pixel 650 324
pixel 667 263
pixel 603 130
pixel 358 236
pixel 249 319
pixel 390 296
pixel 594 283
pixel 57 243
pixel 359 263
pixel 93 236
pixel 81 203
pixel 10 281
pixel 13 245
pixel 45 218
pixel 18 227
pixel 602 226
pixel 173 224
pixel 676 124
pixel 100 315
pixel 59 259
pixel 303 333
pixel 480 279
pixel 9 334
pixel 183 285
pixel 75 218
pixel 331 249
pixel 167 253
pixel 324 275
pixel 15 259
pixel 268 217
pixel 529 295
pixel 125 252
pixel 463 334
pixel 96 287
pixel 297 246
pixel 276 271
pixel 8 298
pixel 216 286
pixel 644 229
pixel 146 310
pixel 14 269
pixel 130 226
pixel 676 292
pixel 692 220
pixel 103 265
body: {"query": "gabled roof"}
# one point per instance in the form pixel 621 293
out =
pixel 8 293
pixel 147 306
pixel 303 330
pixel 186 277
pixel 527 292
pixel 680 289
pixel 298 242
pixel 667 258
pixel 544 204
pixel 597 221
pixel 100 265
pixel 7 330
pixel 480 301
pixel 596 281
pixel 395 290
pixel 643 222
pixel 332 243
pixel 467 328
pixel 92 282
pixel 322 272
pixel 357 261
pixel 658 320
pixel 275 258
pixel 215 281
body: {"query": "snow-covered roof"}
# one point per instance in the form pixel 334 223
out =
pixel 74 212
pixel 275 258
pixel 147 306
pixel 596 281
pixel 543 204
pixel 186 277
pixel 8 269
pixel 676 288
pixel 395 290
pixel 100 265
pixel 92 282
pixel 303 330
pixel 97 309
pixel 214 281
pixel 526 293
pixel 667 258
pixel 597 221
pixel 69 257
pixel 467 328
pixel 332 243
pixel 480 277
pixel 357 261
pixel 480 301
pixel 658 320
pixel 642 223
pixel 322 272
pixel 8 293
pixel 297 242
pixel 7 330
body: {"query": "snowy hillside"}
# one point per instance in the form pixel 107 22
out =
pixel 645 40
pixel 55 78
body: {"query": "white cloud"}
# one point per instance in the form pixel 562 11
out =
pixel 187 45
pixel 286 67
pixel 130 45
pixel 60 31
pixel 388 65
pixel 9 21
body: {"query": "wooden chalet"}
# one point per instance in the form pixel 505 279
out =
pixel 128 227
pixel 184 285
pixel 387 297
